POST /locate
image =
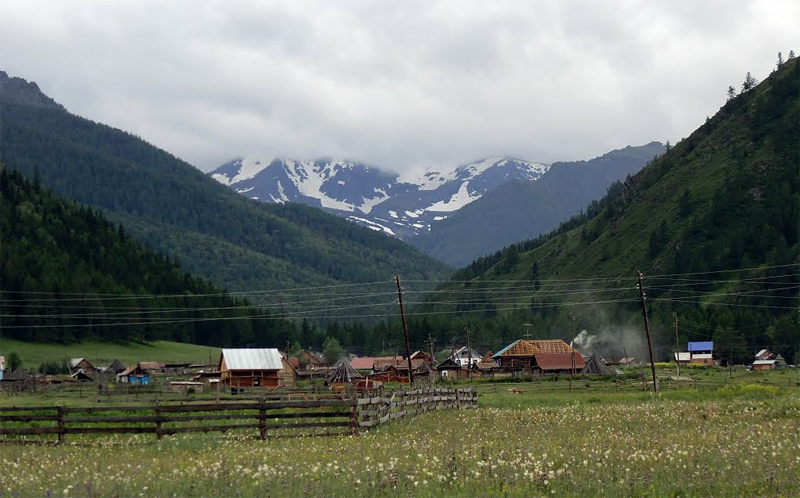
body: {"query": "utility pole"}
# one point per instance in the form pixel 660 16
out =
pixel 469 353
pixel 405 330
pixel 730 364
pixel 430 347
pixel 677 345
pixel 647 330
pixel 572 347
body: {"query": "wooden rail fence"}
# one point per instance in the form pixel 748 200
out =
pixel 270 418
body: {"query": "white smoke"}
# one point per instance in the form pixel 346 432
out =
pixel 613 342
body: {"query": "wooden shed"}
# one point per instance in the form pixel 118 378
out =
pixel 250 367
pixel 288 374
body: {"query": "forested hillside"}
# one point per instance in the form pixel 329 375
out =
pixel 713 225
pixel 174 208
pixel 67 274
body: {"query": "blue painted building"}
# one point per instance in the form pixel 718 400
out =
pixel 701 352
pixel 134 375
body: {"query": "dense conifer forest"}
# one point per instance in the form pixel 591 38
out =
pixel 67 274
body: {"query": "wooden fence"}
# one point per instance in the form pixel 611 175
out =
pixel 270 418
pixel 377 410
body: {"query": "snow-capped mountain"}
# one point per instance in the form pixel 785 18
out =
pixel 400 206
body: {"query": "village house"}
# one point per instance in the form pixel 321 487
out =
pixel 115 367
pixel 487 367
pixel 308 360
pixel 364 364
pixel 539 356
pixel 250 367
pixel 767 360
pixel 452 370
pixel 465 356
pixel 683 357
pixel 395 368
pixel 18 375
pixel 81 376
pixel 421 355
pixel 288 374
pixel 765 354
pixel 76 364
pixel 701 352
pixel 153 367
pixel 135 375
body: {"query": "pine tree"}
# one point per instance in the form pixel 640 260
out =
pixel 749 82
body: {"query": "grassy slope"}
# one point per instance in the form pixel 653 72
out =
pixel 102 354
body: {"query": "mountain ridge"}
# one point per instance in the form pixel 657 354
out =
pixel 174 208
pixel 712 224
pixel 399 205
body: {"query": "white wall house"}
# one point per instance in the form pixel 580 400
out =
pixel 462 357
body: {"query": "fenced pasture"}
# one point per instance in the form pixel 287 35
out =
pixel 329 415
pixel 733 441
pixel 724 433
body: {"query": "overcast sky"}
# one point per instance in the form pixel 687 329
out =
pixel 397 84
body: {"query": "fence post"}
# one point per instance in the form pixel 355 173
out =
pixel 354 415
pixel 60 423
pixel 158 420
pixel 262 418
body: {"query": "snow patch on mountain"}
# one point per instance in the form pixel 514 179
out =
pixel 401 205
pixel 456 201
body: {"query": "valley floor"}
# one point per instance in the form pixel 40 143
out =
pixel 740 440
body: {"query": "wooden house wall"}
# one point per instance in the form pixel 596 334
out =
pixel 250 378
pixel 515 364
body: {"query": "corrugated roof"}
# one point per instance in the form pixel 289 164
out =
pixel 701 346
pixel 765 362
pixel 252 359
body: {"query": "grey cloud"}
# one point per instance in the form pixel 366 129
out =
pixel 398 84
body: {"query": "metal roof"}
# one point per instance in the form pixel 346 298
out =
pixel 701 346
pixel 252 359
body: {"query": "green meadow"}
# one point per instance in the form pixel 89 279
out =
pixel 740 439
pixel 103 353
